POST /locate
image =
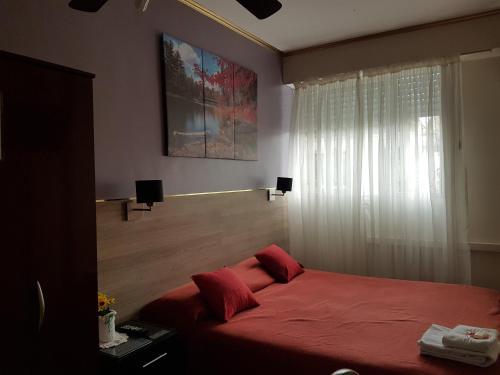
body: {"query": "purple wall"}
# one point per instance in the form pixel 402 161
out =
pixel 121 46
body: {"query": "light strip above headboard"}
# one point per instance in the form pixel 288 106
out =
pixel 186 194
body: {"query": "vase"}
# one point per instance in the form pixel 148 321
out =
pixel 107 326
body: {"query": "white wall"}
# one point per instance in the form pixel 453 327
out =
pixel 481 99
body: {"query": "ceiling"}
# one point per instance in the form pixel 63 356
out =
pixel 305 23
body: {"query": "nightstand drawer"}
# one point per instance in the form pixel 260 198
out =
pixel 163 358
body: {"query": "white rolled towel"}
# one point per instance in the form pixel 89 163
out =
pixel 431 344
pixel 471 338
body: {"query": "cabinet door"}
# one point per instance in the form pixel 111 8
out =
pixel 48 231
pixel 18 310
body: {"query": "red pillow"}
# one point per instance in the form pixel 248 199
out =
pixel 251 272
pixel 278 263
pixel 182 308
pixel 224 292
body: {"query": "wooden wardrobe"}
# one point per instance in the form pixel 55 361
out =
pixel 47 219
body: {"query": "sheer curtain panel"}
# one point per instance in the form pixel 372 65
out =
pixel 379 180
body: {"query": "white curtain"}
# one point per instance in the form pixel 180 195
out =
pixel 379 181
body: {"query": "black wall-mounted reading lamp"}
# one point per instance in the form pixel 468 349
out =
pixel 283 184
pixel 147 192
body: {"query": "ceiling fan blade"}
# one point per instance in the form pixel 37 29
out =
pixel 261 8
pixel 141 5
pixel 87 5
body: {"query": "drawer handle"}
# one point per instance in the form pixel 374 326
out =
pixel 154 360
pixel 41 305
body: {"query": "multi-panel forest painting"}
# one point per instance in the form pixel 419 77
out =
pixel 211 104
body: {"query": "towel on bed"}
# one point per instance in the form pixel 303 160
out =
pixel 431 344
pixel 471 338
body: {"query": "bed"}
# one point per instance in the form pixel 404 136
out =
pixel 322 321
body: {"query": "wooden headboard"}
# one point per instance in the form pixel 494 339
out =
pixel 139 260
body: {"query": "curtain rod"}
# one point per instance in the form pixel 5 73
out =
pixel 480 54
pixel 383 69
pixel 477 51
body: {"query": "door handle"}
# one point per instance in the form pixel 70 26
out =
pixel 41 305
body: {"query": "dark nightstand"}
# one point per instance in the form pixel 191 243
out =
pixel 156 352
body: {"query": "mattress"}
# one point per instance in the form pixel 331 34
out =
pixel 321 321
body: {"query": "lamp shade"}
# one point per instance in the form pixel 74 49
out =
pixel 149 191
pixel 284 184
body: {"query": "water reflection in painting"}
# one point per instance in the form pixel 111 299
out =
pixel 184 95
pixel 211 104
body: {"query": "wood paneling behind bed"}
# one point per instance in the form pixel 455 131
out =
pixel 139 260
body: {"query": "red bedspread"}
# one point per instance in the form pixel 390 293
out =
pixel 321 322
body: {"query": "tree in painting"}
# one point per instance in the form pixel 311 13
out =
pixel 245 114
pixel 219 111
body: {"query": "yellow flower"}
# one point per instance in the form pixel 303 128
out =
pixel 104 302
